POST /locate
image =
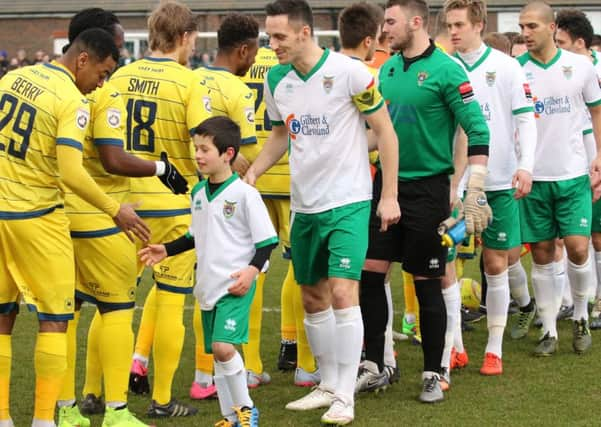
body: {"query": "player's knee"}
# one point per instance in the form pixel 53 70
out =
pixel 223 351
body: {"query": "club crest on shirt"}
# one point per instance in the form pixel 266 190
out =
pixel 229 208
pixel 421 77
pixel 113 117
pixel 567 71
pixel 82 118
pixel 490 77
pixel 328 83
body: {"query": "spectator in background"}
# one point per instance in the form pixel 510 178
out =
pixel 206 59
pixel 518 45
pixel 13 64
pixel 3 62
pixel 596 43
pixel 39 57
pixel 125 58
pixel 498 41
pixel 22 58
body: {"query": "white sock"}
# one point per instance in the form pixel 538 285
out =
pixel 348 342
pixel 63 403
pixel 235 376
pixel 580 279
pixel 389 359
pixel 497 304
pixel 598 270
pixel 543 282
pixel 142 359
pixel 226 403
pixel 6 423
pixel 203 378
pixel 458 334
pixel 591 292
pixel 42 423
pixel 452 301
pixel 321 329
pixel 518 284
pixel 563 295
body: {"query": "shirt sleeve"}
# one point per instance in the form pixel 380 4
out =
pixel 592 90
pixel 459 96
pixel 244 110
pixel 199 104
pixel 73 122
pixel 364 90
pixel 259 223
pixel 108 127
pixel 521 96
pixel 270 105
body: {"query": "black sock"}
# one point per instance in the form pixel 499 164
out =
pixel 374 310
pixel 433 321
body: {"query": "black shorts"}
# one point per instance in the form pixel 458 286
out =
pixel 414 241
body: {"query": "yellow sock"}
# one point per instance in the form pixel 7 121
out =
pixel 204 361
pixel 459 263
pixel 168 342
pixel 116 345
pixel 252 350
pixel 5 361
pixel 146 331
pixel 68 390
pixel 50 362
pixel 418 329
pixel 409 292
pixel 304 355
pixel 93 379
pixel 288 321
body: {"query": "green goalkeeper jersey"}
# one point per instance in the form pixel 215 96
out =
pixel 427 97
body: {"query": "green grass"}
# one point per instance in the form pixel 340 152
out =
pixel 557 391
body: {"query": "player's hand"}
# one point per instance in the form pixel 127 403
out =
pixel 244 279
pixel 476 209
pixel 522 182
pixel 241 165
pixel 388 211
pixel 128 220
pixel 172 179
pixel 152 254
pixel 250 177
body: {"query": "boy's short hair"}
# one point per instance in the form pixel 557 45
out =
pixel 168 22
pixel 358 21
pixel 224 131
pixel 498 41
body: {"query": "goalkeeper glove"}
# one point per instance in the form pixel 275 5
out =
pixel 476 209
pixel 172 179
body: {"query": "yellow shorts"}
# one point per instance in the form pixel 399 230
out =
pixel 36 262
pixel 106 270
pixel 176 273
pixel 279 212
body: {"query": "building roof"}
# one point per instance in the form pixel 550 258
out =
pixel 20 8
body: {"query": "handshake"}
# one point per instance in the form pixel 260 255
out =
pixel 171 177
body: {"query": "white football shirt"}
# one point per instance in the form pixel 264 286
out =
pixel 322 112
pixel 561 89
pixel 228 226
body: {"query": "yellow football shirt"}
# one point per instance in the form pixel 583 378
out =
pixel 40 108
pixel 165 102
pixel 107 127
pixel 232 98
pixel 275 182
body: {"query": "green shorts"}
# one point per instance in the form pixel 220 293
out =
pixel 596 222
pixel 556 209
pixel 330 244
pixel 504 231
pixel 228 321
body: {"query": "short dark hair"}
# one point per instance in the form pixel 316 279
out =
pixel 236 29
pixel 357 22
pixel 498 41
pixel 296 10
pixel 93 17
pixel 418 7
pixel 97 42
pixel 576 24
pixel 224 132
